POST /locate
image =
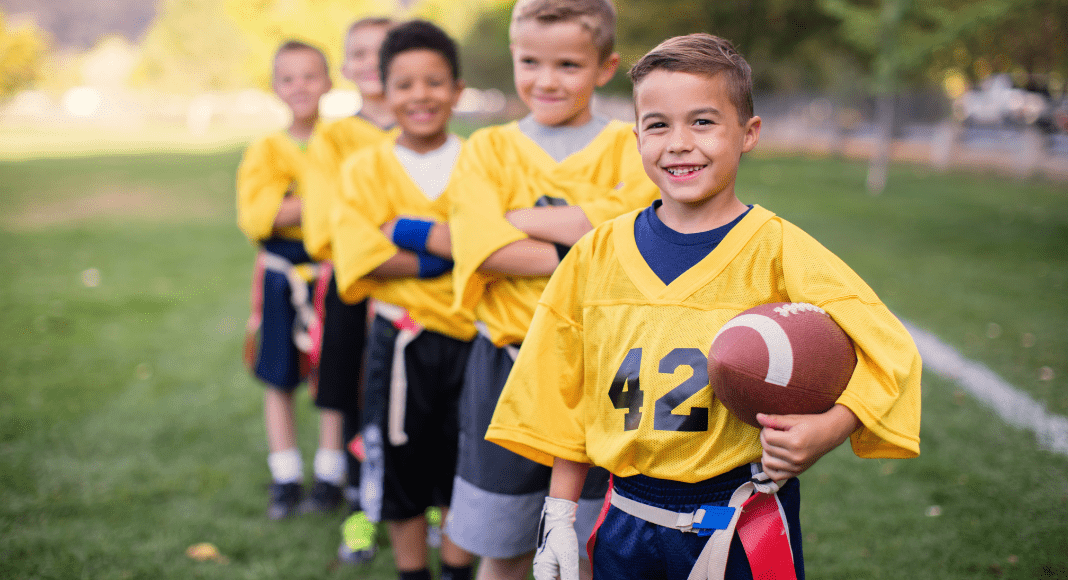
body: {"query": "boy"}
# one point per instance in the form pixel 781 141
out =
pixel 530 190
pixel 626 322
pixel 270 187
pixel 344 325
pixel 418 344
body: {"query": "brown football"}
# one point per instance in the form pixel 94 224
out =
pixel 781 359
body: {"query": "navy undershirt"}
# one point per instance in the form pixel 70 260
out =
pixel 670 253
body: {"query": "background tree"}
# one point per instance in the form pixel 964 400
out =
pixel 22 52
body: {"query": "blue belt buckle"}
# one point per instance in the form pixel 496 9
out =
pixel 716 517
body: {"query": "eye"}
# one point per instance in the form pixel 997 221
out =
pixel 570 64
pixel 655 125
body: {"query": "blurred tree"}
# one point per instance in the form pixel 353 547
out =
pixel 205 44
pixel 898 39
pixel 787 42
pixel 192 46
pixel 484 56
pixel 22 52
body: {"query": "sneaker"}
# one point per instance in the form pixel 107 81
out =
pixel 433 527
pixel 324 497
pixel 285 497
pixel 357 540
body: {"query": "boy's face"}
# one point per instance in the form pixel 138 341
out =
pixel 557 67
pixel 421 94
pixel 690 137
pixel 300 80
pixel 361 59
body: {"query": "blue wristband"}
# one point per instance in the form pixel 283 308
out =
pixel 431 266
pixel 411 234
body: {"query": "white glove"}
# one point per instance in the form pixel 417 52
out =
pixel 557 555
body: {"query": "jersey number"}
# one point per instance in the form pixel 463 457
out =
pixel 626 392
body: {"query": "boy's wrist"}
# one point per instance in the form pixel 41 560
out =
pixel 411 234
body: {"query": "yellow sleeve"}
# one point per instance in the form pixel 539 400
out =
pixel 631 191
pixel 476 219
pixel 541 415
pixel 262 181
pixel 321 188
pixel 359 246
pixel 884 391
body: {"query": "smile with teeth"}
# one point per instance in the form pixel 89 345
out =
pixel 683 171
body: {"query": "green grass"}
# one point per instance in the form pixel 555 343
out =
pixel 129 429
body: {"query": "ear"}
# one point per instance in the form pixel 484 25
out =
pixel 458 92
pixel 752 134
pixel 608 69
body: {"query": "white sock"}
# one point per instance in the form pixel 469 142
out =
pixel 330 466
pixel 286 466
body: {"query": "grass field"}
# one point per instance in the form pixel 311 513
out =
pixel 129 429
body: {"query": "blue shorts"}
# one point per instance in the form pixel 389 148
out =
pixel 628 547
pixel 275 359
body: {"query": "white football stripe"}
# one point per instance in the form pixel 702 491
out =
pixel 780 352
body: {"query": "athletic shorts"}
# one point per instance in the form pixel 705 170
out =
pixel 498 495
pixel 341 361
pixel 627 547
pixel 275 358
pixel 400 480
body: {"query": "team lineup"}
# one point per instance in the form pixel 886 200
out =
pixel 510 338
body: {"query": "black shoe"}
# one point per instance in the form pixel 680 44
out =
pixel 324 497
pixel 285 497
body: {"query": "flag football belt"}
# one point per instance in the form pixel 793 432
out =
pixel 308 325
pixel 309 306
pixel 407 331
pixel 753 511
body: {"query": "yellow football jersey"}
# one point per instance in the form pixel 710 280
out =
pixel 327 150
pixel 502 169
pixel 614 368
pixel 270 167
pixel 376 188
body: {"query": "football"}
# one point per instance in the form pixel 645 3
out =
pixel 781 359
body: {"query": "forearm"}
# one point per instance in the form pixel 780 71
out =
pixel 567 479
pixel 439 242
pixel 526 257
pixel 403 264
pixel 558 225
pixel 288 213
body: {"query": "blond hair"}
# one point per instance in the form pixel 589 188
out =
pixel 702 54
pixel 598 17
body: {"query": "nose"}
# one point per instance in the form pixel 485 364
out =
pixel 420 91
pixel 680 140
pixel 545 78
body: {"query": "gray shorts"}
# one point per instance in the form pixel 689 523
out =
pixel 497 495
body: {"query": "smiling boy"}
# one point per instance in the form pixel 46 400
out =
pixel 394 194
pixel 624 325
pixel 531 189
pixel 271 186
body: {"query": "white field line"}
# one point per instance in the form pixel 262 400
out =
pixel 1015 407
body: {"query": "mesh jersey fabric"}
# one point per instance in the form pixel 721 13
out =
pixel 613 371
pixel 377 188
pixel 269 168
pixel 502 169
pixel 327 150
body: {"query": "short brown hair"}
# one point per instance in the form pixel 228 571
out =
pixel 383 21
pixel 702 54
pixel 596 16
pixel 295 45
